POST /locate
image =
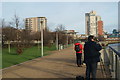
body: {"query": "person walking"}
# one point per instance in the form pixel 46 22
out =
pixel 91 56
pixel 78 48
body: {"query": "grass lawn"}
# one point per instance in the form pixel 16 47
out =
pixel 9 59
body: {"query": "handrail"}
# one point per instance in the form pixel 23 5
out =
pixel 118 53
pixel 111 58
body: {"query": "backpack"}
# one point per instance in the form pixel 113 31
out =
pixel 77 48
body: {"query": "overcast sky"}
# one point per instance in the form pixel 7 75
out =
pixel 70 14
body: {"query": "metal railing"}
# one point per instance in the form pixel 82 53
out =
pixel 111 57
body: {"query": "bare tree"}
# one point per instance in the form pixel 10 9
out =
pixel 47 37
pixel 61 35
pixel 36 36
pixel 8 35
pixel 16 23
pixel 60 28
pixel 26 38
pixel 2 23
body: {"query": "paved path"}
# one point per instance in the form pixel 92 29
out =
pixel 60 64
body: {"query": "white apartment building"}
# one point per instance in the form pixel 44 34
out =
pixel 36 23
pixel 91 23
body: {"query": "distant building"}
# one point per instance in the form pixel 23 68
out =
pixel 34 23
pixel 82 36
pixel 115 31
pixel 71 33
pixel 100 28
pixel 93 24
pixel 115 34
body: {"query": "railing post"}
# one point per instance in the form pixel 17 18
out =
pixel 116 67
pixel 118 75
pixel 114 58
pixel 111 59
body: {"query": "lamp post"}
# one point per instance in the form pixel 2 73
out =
pixel 41 37
pixel 57 40
pixel 67 38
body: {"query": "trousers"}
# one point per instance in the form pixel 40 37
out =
pixel 78 58
pixel 91 69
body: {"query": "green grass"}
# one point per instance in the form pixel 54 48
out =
pixel 9 59
pixel 0 58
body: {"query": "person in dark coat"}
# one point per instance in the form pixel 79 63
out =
pixel 91 56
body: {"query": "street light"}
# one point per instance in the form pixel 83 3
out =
pixel 41 37
pixel 56 40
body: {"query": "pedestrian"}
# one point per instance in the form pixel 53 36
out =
pixel 78 48
pixel 91 56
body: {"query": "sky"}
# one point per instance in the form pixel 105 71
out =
pixel 70 14
pixel 60 0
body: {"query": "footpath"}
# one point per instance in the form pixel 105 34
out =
pixel 60 64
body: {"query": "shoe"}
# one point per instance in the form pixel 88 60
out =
pixel 78 65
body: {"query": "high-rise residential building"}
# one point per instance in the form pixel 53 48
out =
pixel 35 23
pixel 100 27
pixel 87 23
pixel 91 23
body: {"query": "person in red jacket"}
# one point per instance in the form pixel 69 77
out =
pixel 78 53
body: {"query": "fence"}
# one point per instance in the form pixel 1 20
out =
pixel 111 57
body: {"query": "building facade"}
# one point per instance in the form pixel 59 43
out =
pixel 92 24
pixel 36 23
pixel 100 27
pixel 71 33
